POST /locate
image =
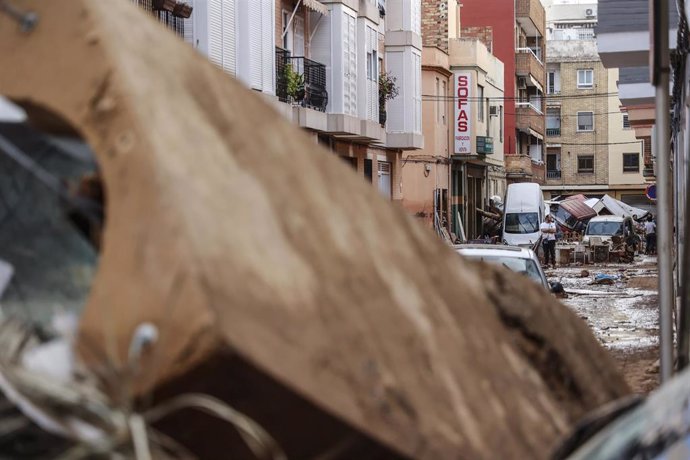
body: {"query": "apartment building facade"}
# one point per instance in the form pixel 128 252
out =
pixel 461 164
pixel 516 37
pixel 591 147
pixel 320 63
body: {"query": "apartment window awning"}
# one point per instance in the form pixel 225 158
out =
pixel 317 6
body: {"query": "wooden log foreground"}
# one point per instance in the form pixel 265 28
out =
pixel 280 281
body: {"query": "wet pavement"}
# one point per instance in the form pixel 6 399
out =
pixel 623 315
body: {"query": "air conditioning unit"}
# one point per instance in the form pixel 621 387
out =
pixel 589 12
pixel 522 83
pixel 493 110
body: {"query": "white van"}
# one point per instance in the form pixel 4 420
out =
pixel 524 211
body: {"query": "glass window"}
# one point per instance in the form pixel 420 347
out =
pixel 631 162
pixel 521 223
pixel 525 267
pixel 585 121
pixel 585 164
pixel 626 121
pixel 480 103
pixel 604 228
pixel 585 78
pixel 500 115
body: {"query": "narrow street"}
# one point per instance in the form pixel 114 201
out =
pixel 623 314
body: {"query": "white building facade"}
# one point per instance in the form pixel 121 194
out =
pixel 320 63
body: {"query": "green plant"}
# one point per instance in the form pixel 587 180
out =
pixel 387 88
pixel 294 82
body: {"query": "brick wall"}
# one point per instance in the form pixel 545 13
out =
pixel 435 23
pixel 576 143
pixel 484 34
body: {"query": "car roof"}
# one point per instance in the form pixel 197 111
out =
pixel 607 218
pixel 494 250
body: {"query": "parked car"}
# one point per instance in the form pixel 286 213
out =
pixel 517 259
pixel 524 213
pixel 605 227
pixel 657 427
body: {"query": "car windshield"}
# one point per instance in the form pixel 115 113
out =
pixel 605 228
pixel 527 267
pixel 524 222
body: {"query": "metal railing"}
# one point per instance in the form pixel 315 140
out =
pixel 311 91
pixel 520 105
pixel 531 51
pixel 553 174
pixel 553 131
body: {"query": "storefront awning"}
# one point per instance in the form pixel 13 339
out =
pixel 317 6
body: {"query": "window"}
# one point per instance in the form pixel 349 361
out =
pixel 480 103
pixel 585 164
pixel 585 121
pixel 370 66
pixel 626 121
pixel 443 101
pixel 287 36
pixel 500 116
pixel 438 100
pixel 585 78
pixel 553 82
pixel 631 162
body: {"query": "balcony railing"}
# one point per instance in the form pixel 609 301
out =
pixel 308 87
pixel 553 174
pixel 553 132
pixel 528 116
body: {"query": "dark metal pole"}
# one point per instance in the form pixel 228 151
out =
pixel 664 205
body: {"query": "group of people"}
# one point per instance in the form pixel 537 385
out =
pixel 549 229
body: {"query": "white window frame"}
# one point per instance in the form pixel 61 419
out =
pixel 626 121
pixel 582 82
pixel 578 122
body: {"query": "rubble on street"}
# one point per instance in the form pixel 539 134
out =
pixel 622 312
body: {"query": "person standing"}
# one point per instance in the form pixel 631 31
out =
pixel 650 236
pixel 548 234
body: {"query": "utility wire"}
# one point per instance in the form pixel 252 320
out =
pixel 521 98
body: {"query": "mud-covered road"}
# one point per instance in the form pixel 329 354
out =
pixel 623 315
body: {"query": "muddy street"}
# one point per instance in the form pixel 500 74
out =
pixel 622 310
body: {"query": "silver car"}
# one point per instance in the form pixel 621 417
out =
pixel 518 259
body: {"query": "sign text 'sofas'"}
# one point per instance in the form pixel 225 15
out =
pixel 462 95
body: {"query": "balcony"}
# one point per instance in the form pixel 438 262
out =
pixel 552 174
pixel 300 81
pixel 553 132
pixel 521 168
pixel 531 16
pixel 528 63
pixel 529 117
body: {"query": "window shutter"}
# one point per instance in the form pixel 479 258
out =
pixel 255 48
pixel 350 57
pixel 215 32
pixel 395 121
pixel 229 40
pixel 417 69
pixel 267 46
pixel 189 29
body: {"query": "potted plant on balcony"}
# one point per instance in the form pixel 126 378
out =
pixel 387 90
pixel 294 81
